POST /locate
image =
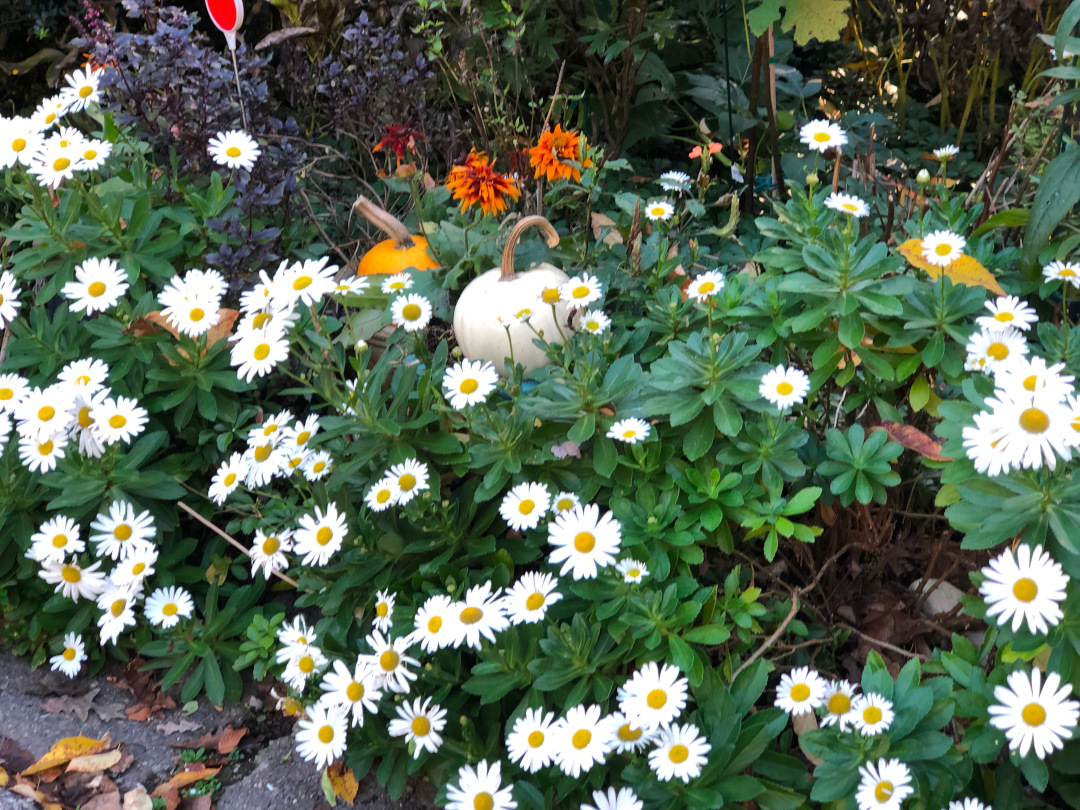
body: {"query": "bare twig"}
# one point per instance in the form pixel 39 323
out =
pixel 884 644
pixel 231 540
pixel 771 639
pixel 554 96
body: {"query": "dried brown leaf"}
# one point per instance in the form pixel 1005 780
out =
pixel 180 727
pixel 913 439
pixel 138 799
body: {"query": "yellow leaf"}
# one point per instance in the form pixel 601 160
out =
pixel 31 792
pixel 4 778
pixel 92 763
pixel 965 270
pixel 66 750
pixel 344 782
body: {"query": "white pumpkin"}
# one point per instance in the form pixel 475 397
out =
pixel 501 291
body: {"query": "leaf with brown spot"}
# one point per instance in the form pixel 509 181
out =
pixel 92 763
pixel 65 750
pixel 602 222
pixel 913 439
pixel 196 771
pixel 222 741
pixel 343 781
pixel 965 270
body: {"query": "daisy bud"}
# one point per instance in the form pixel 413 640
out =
pixel 361 346
pixel 812 180
pixel 923 177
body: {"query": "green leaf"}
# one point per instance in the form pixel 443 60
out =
pixel 851 329
pixel 1058 192
pixel 215 684
pixel 699 438
pixel 822 20
pixel 711 634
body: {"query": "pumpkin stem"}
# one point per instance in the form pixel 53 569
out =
pixel 514 236
pixel 385 222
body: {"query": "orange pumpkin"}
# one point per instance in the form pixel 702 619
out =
pixel 401 252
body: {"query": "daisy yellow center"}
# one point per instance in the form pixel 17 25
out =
pixel 233 152
pixel 526 507
pixel 382 609
pixel 678 753
pixel 306 664
pixel 707 287
pixel 262 452
pixel 471 615
pixel 658 211
pixel 822 137
pixel 271 545
pixel 45 447
pixel 69 654
pixel 784 388
pixel 301 639
pixel 634 573
pixel 302 438
pixel 483 801
pixel 656 699
pixel 1034 714
pixel 535 601
pixel 523 313
pixel 262 351
pixel 1065 272
pixel 296 461
pixel 629 433
pixel 1030 381
pixel 301 283
pixel 389 661
pixel 871 714
pixel 260 320
pixel 582 737
pixel 85 91
pixel 230 479
pixel 628 734
pixel 410 312
pixel 18 144
pixel 550 296
pixel 59 541
pixel 122 531
pixel 383 496
pixel 318 467
pixel 118 607
pixel 326 733
pixel 71 574
pixel 170 609
pixel 138 568
pixel 800 692
pixel 50 118
pixel 96 289
pixel 83 379
pixel 884 791
pixel 563 504
pixel 117 421
pixel 849 206
pixel 323 536
pixel 6 393
pixel 1034 420
pixel 89 154
pixel 1025 589
pixel 46 413
pixel 60 164
pixel 944 249
pixel 434 624
pixel 839 704
pixel 536 739
pixel 197 314
pixel 421 726
pixel 999 351
pixel 1004 317
pixel 354 691
pixel 581 291
pixel 407 482
pixel 468 386
pixel 584 542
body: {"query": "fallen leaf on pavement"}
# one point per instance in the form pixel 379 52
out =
pixel 69 704
pixel 104 801
pixel 30 792
pixel 181 727
pixel 65 750
pixel 13 757
pixel 344 782
pixel 138 799
pixel 222 741
pixel 150 701
pixel 195 772
pixel 203 802
pixel 92 763
pixel 4 778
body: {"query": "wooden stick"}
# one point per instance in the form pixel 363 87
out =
pixel 760 651
pixel 231 540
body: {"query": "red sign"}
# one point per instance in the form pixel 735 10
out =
pixel 228 15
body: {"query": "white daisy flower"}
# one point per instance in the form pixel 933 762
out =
pixel 580 291
pixel 322 735
pixel 943 153
pixel 71 658
pixel 659 210
pixel 784 387
pixel 19 141
pixel 527 600
pixel 397 283
pixel 92 154
pixel 273 429
pixel 630 738
pixel 353 285
pixel 309 281
pixel 268 551
pixel 1025 586
pixel 316 466
pixel 120 532
pixel 530 742
pixel 52 164
pixel 581 740
pixel 595 322
pixel 9 299
pixel 884 785
pixel 74 581
pixel 419 723
pixel 968 804
pixel 384 607
pixel 1008 310
pixel 1031 431
pixel 1063 271
pixel 264 462
pixel 631 431
pixel 838 704
pixel 847 204
pixel 942 248
pixel 55 539
pixel 42 414
pixel 85 376
pixel 525 505
pixel 481 613
pixel 301 663
pixel 705 286
pixel 822 135
pixel 258 353
pixel 565 502
pixel 654 696
pixel 1033 715
pixel 295 633
pixel 632 570
pixel 320 535
pixel 388 662
pixel 469 383
pixel 82 89
pixel 800 691
pixel 50 111
pixel 353 691
pixel 623 799
pixel 1031 376
pixel 674 181
pixel 411 312
pixel 136 566
pixel 13 390
pixel 41 454
pixel 303 431
pixel 584 540
pixel 82 426
pixel 234 149
pixel 992 347
pixel 480 788
pixel 873 714
pixel 431 622
pixel 410 477
pixel 382 495
pixel 118 605
pixel 227 478
pixel 680 753
pixel 118 420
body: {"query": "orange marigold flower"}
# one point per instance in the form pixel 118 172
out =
pixel 476 183
pixel 552 155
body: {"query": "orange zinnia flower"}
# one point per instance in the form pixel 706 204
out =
pixel 476 183
pixel 551 155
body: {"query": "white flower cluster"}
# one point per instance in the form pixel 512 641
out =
pixel 803 690
pixel 398 485
pixel 77 409
pixel 52 157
